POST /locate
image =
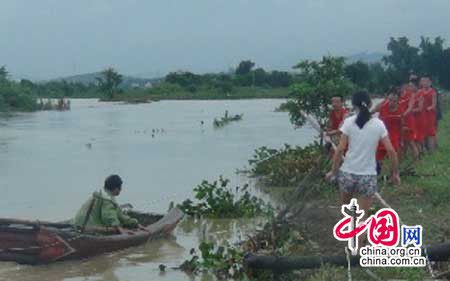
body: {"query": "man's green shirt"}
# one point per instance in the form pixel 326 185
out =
pixel 105 212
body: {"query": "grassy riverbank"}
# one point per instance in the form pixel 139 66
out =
pixel 423 198
pixel 172 92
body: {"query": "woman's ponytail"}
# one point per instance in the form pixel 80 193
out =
pixel 362 101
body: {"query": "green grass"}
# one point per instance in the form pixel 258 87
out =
pixel 425 199
pixel 422 199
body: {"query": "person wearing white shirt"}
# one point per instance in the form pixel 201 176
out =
pixel 361 133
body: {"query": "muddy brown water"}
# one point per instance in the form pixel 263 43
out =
pixel 50 162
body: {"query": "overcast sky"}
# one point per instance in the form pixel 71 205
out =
pixel 53 38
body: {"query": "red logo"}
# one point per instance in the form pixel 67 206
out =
pixel 383 227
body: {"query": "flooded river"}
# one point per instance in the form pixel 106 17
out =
pixel 50 163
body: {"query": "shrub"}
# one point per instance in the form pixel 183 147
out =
pixel 284 167
pixel 215 200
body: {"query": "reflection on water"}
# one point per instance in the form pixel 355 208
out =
pixel 50 162
pixel 220 230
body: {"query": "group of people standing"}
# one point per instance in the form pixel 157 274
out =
pixel 410 114
pixel 406 122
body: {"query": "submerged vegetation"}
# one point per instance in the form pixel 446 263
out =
pixel 216 200
pixel 225 262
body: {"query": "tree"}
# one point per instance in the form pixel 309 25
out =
pixel 379 80
pixel 244 67
pixel 67 89
pixel 26 83
pixel 431 56
pixel 259 77
pixel 224 86
pixel 244 80
pixel 109 83
pixel 187 80
pixel 15 96
pixel 320 81
pixel 403 59
pixel 358 73
pixel 445 71
pixel 280 79
pixel 3 74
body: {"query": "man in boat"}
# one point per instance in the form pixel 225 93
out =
pixel 102 210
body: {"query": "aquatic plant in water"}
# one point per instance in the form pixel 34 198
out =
pixel 216 200
pixel 225 262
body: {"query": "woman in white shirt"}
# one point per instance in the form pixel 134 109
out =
pixel 357 177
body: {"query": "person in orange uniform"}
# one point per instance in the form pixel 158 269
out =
pixel 407 96
pixel 419 115
pixel 391 113
pixel 337 115
pixel 429 114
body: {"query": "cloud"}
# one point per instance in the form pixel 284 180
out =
pixel 52 38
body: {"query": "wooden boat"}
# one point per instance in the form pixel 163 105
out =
pixel 227 119
pixel 34 243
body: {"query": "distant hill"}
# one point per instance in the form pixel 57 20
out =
pixel 366 57
pixel 128 81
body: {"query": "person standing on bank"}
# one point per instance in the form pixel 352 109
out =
pixel 337 115
pixel 357 177
pixel 430 108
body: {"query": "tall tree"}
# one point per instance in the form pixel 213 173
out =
pixel 431 56
pixel 185 79
pixel 280 79
pixel 244 67
pixel 358 73
pixel 259 77
pixel 3 74
pixel 109 83
pixel 403 59
pixel 445 71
